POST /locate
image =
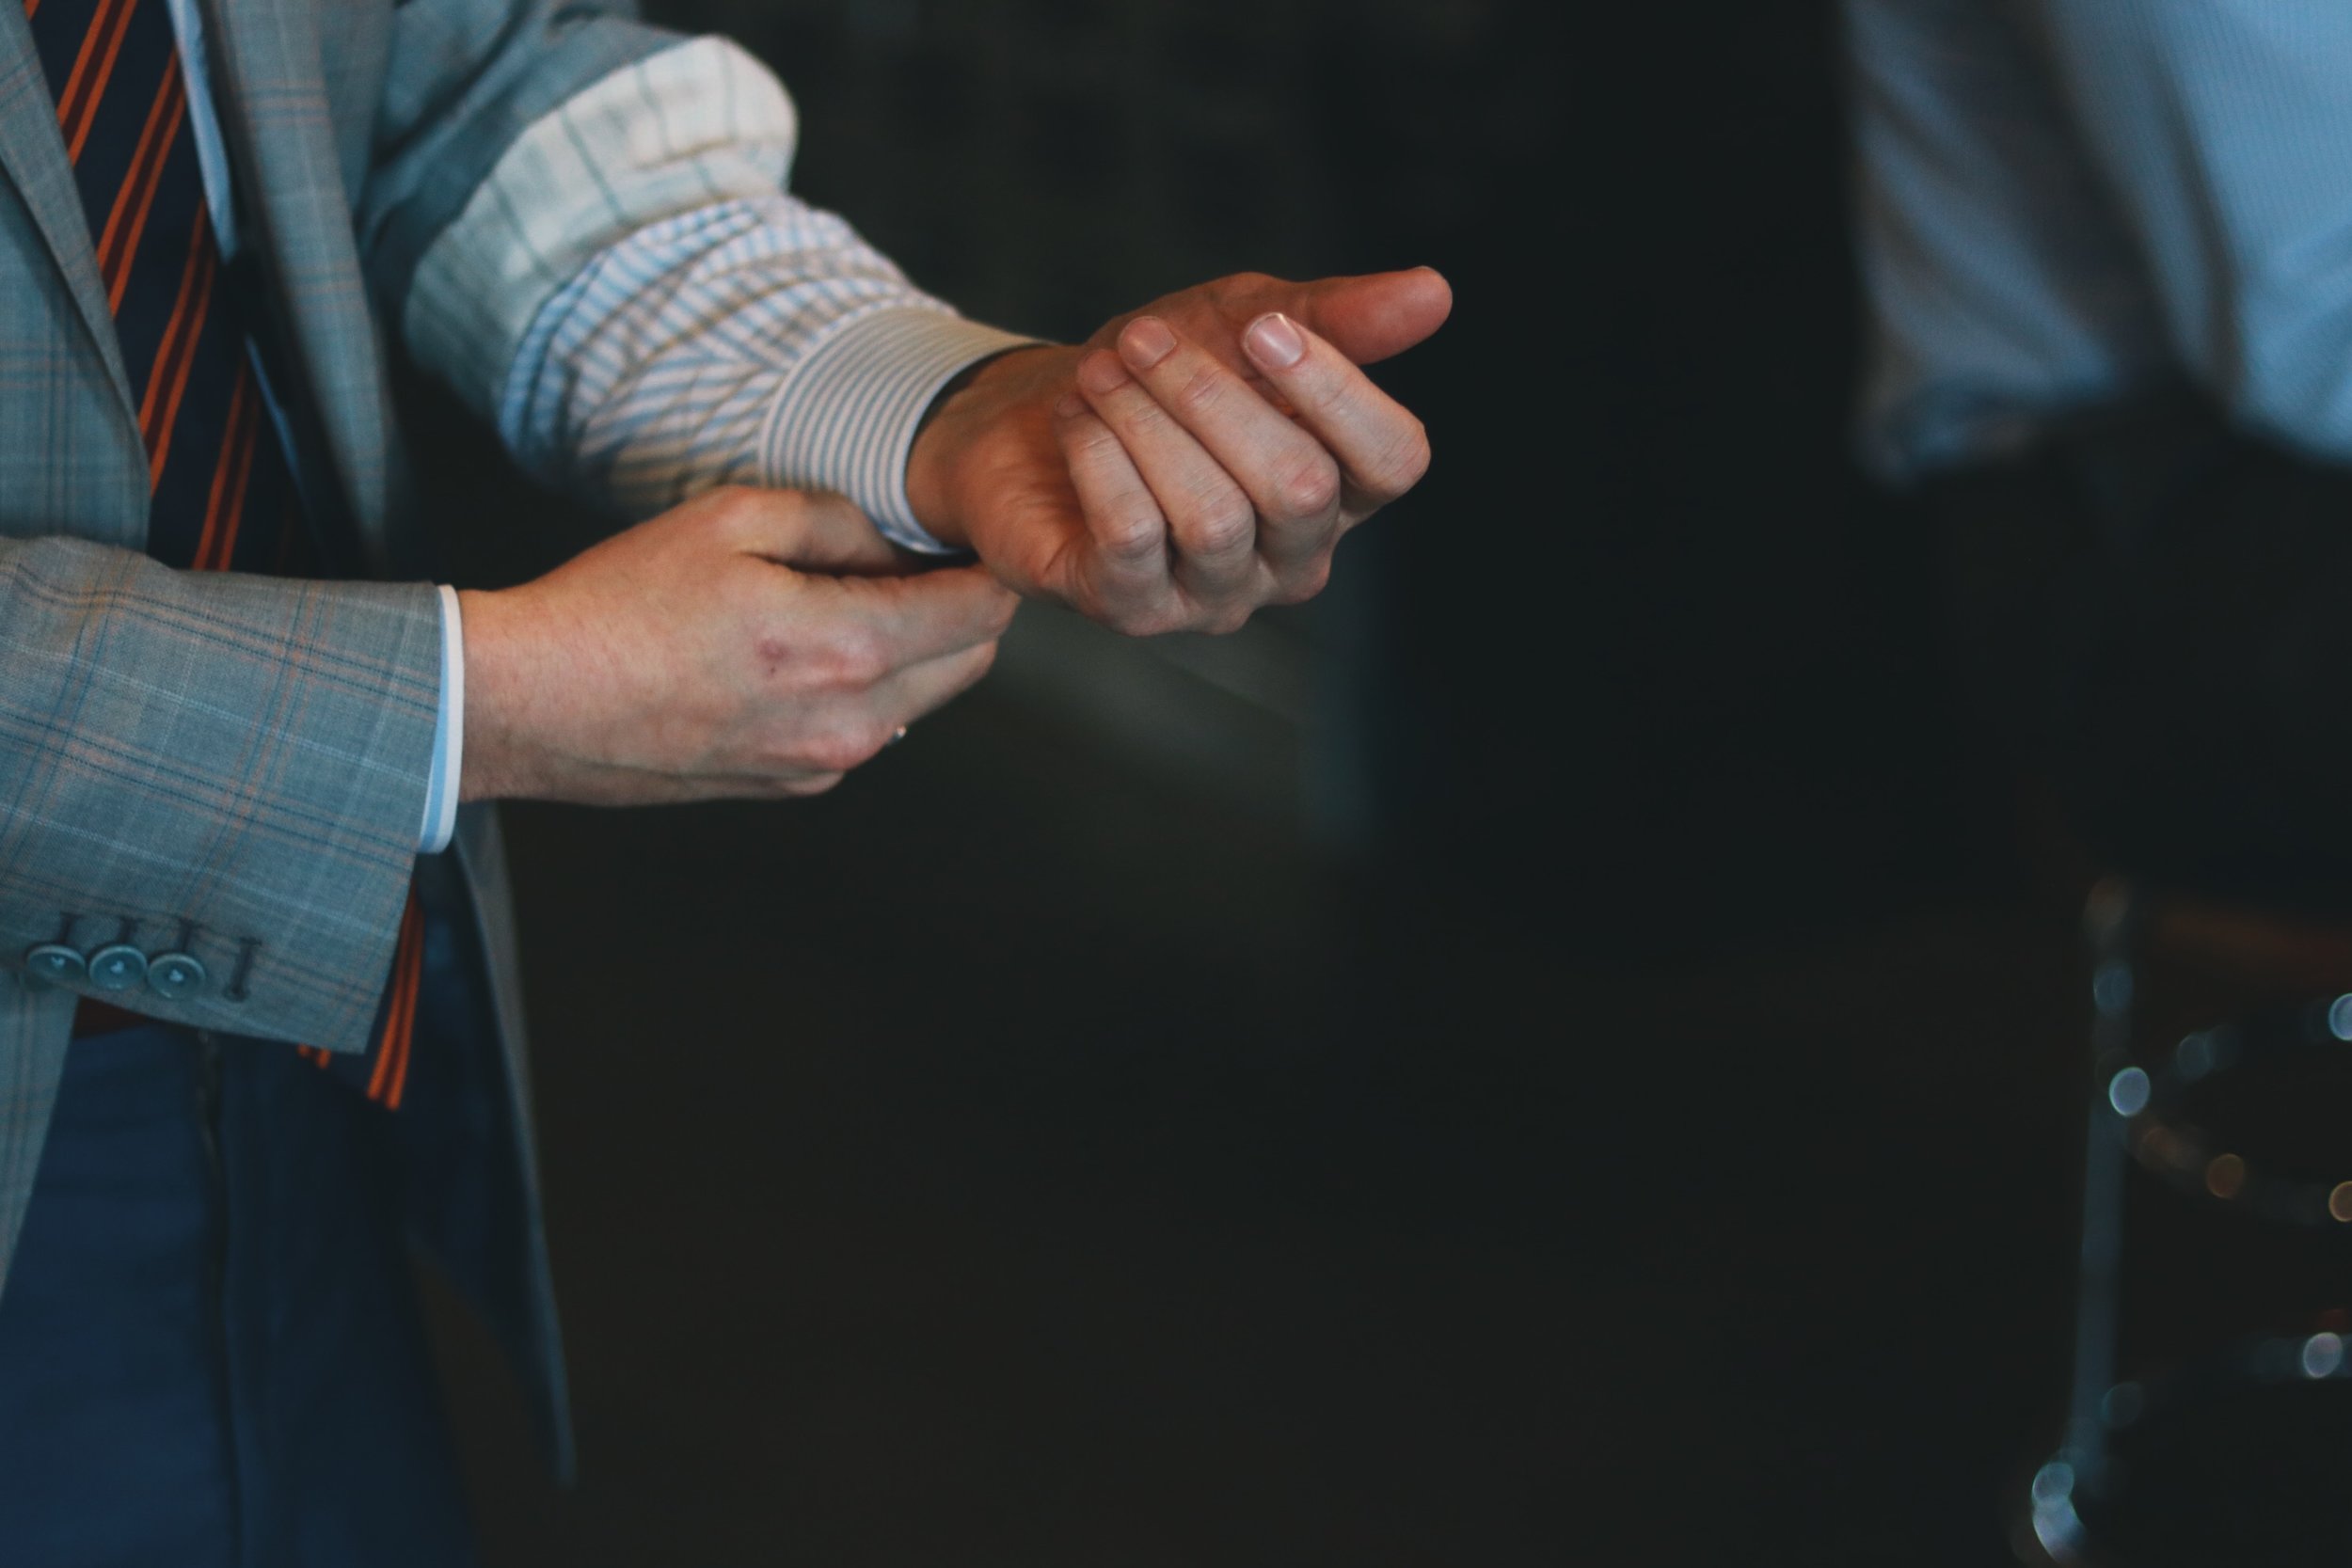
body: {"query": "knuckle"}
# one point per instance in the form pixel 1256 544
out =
pixel 1317 385
pixel 728 506
pixel 1403 460
pixel 1311 488
pixel 1132 535
pixel 866 738
pixel 1133 414
pixel 850 745
pixel 1201 391
pixel 851 656
pixel 1091 441
pixel 1222 522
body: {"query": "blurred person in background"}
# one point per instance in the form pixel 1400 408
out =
pixel 258 1011
pixel 2109 253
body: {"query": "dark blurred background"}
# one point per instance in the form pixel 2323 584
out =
pixel 1545 1054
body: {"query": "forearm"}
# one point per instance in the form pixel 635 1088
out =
pixel 1017 385
pixel 221 764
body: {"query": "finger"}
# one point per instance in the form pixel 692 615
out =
pixel 1210 519
pixel 812 530
pixel 926 688
pixel 1382 448
pixel 1371 318
pixel 892 623
pixel 1291 481
pixel 1128 568
pixel 854 729
pixel 802 786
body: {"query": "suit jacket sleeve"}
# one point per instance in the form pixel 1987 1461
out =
pixel 227 766
pixel 465 80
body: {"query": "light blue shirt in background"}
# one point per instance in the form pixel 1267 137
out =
pixel 2065 203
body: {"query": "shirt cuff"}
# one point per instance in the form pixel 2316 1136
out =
pixel 449 734
pixel 849 415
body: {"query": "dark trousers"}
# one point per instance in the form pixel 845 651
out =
pixel 2154 611
pixel 211 1355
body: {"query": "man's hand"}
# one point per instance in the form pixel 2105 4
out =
pixel 746 644
pixel 1193 461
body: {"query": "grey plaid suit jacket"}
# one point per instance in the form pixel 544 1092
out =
pixel 229 765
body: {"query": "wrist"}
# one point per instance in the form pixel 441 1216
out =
pixel 498 701
pixel 931 461
pixel 959 416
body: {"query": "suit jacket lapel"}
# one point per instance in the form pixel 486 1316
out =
pixel 295 216
pixel 33 153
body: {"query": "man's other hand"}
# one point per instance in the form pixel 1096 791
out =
pixel 1194 460
pixel 748 643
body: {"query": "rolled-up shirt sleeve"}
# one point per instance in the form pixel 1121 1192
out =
pixel 644 311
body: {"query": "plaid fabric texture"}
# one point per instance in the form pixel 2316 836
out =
pixel 227 760
pixel 222 500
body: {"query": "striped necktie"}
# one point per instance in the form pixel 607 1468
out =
pixel 221 496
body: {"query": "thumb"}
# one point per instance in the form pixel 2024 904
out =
pixel 1379 314
pixel 814 531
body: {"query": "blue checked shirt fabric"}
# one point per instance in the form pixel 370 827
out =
pixel 2065 203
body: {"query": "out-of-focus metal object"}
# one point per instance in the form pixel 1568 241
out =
pixel 2224 1453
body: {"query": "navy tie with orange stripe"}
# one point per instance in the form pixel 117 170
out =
pixel 221 492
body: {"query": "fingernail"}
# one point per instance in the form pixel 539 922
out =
pixel 1070 407
pixel 1146 342
pixel 1099 374
pixel 1274 341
